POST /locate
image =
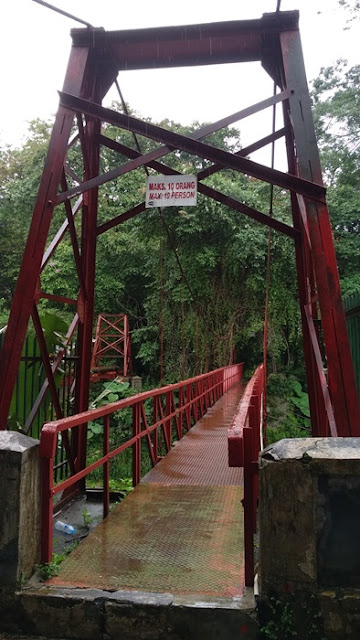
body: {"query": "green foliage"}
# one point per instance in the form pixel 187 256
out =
pixel 20 173
pixel 112 392
pixel 336 99
pixel 288 409
pixel 123 486
pixel 300 399
pixel 280 625
pixel 223 253
pixel 291 615
pixel 49 569
pixel 353 7
pixel 120 430
pixel 87 518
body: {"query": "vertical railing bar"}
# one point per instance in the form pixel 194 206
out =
pixel 106 466
pixel 168 422
pixel 193 401
pixel 177 415
pixel 136 447
pixel 47 484
pixel 155 432
pixel 62 388
pixel 148 437
pixel 181 412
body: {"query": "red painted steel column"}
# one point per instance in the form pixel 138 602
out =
pixel 25 292
pixel 303 268
pixel 339 363
pixel 88 256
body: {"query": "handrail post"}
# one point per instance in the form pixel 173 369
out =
pixel 211 389
pixel 48 441
pixel 181 412
pixel 155 433
pixel 46 509
pixel 168 422
pixel 188 408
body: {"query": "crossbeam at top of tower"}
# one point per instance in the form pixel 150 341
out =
pixel 187 45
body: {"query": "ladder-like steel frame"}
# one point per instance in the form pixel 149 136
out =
pixel 96 58
pixel 112 345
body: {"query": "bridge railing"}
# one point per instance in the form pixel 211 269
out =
pixel 245 440
pixel 175 408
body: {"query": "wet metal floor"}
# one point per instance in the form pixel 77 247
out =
pixel 181 530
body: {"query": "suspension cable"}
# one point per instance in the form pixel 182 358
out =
pixel 63 13
pixel 184 277
pixel 161 313
pixel 268 257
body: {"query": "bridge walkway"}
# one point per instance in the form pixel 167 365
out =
pixel 181 530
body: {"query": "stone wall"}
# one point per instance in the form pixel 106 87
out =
pixel 19 507
pixel 309 520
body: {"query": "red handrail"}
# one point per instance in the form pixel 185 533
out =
pixel 194 397
pixel 245 440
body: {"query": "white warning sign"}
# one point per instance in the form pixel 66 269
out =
pixel 171 191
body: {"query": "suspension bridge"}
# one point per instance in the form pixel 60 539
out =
pixel 183 529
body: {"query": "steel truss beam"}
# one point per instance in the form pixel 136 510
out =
pixel 183 143
pixel 95 60
pixel 202 188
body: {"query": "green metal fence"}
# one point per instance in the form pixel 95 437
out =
pixel 352 309
pixel 29 382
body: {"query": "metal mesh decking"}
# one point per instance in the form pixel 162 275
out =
pixel 181 530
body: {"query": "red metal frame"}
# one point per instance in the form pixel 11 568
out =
pixel 175 408
pixel 245 441
pixel 112 342
pixel 96 58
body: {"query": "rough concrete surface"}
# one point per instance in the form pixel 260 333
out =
pixel 89 614
pixel 19 506
pixel 309 520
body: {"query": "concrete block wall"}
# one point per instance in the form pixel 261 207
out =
pixel 309 521
pixel 19 507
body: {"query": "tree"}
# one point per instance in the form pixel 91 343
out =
pixel 20 172
pixel 336 100
pixel 353 7
pixel 212 304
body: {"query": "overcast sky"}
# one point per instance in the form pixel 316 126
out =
pixel 35 44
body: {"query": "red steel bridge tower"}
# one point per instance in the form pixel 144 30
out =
pixel 111 346
pixel 96 58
